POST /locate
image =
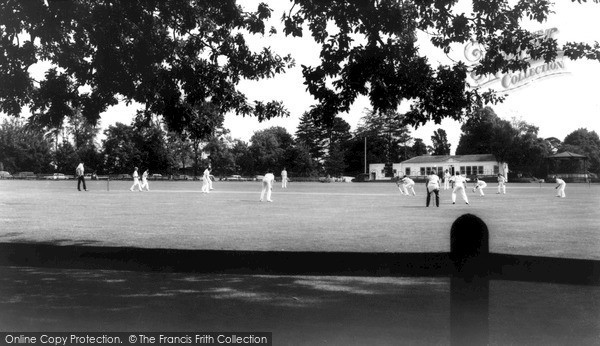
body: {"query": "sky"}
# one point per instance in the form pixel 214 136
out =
pixel 557 105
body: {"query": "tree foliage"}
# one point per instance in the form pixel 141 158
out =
pixel 369 48
pixel 515 143
pixel 584 142
pixel 23 148
pixel 486 133
pixel 386 135
pixel 268 148
pixel 121 149
pixel 170 56
pixel 319 137
pixel 419 148
pixel 440 143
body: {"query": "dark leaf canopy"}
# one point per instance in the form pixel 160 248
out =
pixel 369 48
pixel 169 56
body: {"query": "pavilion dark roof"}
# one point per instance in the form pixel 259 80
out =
pixel 566 154
pixel 455 158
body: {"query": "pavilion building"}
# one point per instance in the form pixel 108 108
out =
pixel 482 165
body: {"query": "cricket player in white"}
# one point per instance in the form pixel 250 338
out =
pixel 459 185
pixel 560 187
pixel 267 186
pixel 136 180
pixel 480 185
pixel 433 186
pixel 145 181
pixel 206 181
pixel 409 185
pixel 284 179
pixel 501 184
pixel 447 177
pixel 210 180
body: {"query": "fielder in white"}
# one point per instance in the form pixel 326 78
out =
pixel 284 179
pixel 210 178
pixel 480 185
pixel 206 180
pixel 409 185
pixel 447 177
pixel 136 180
pixel 267 186
pixel 560 187
pixel 145 181
pixel 460 184
pixel 399 185
pixel 501 184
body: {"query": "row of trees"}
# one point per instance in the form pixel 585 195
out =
pixel 315 149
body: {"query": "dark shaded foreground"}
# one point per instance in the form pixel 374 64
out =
pixel 299 310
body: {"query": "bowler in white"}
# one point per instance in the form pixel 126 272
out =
pixel 560 188
pixel 267 186
pixel 459 186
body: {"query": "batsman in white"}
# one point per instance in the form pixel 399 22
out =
pixel 409 185
pixel 501 184
pixel 447 177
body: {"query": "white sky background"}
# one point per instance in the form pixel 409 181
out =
pixel 557 105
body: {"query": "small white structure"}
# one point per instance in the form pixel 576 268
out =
pixel 480 164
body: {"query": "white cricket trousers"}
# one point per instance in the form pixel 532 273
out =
pixel 480 188
pixel 266 187
pixel 136 182
pixel 561 191
pixel 411 188
pixel 462 193
pixel 501 188
pixel 205 186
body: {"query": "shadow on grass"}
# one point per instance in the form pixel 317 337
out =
pixel 306 308
pixel 53 242
pixel 11 234
pixel 61 254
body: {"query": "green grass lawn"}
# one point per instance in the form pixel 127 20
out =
pixel 361 217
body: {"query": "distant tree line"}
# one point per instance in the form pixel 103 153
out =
pixel 315 149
